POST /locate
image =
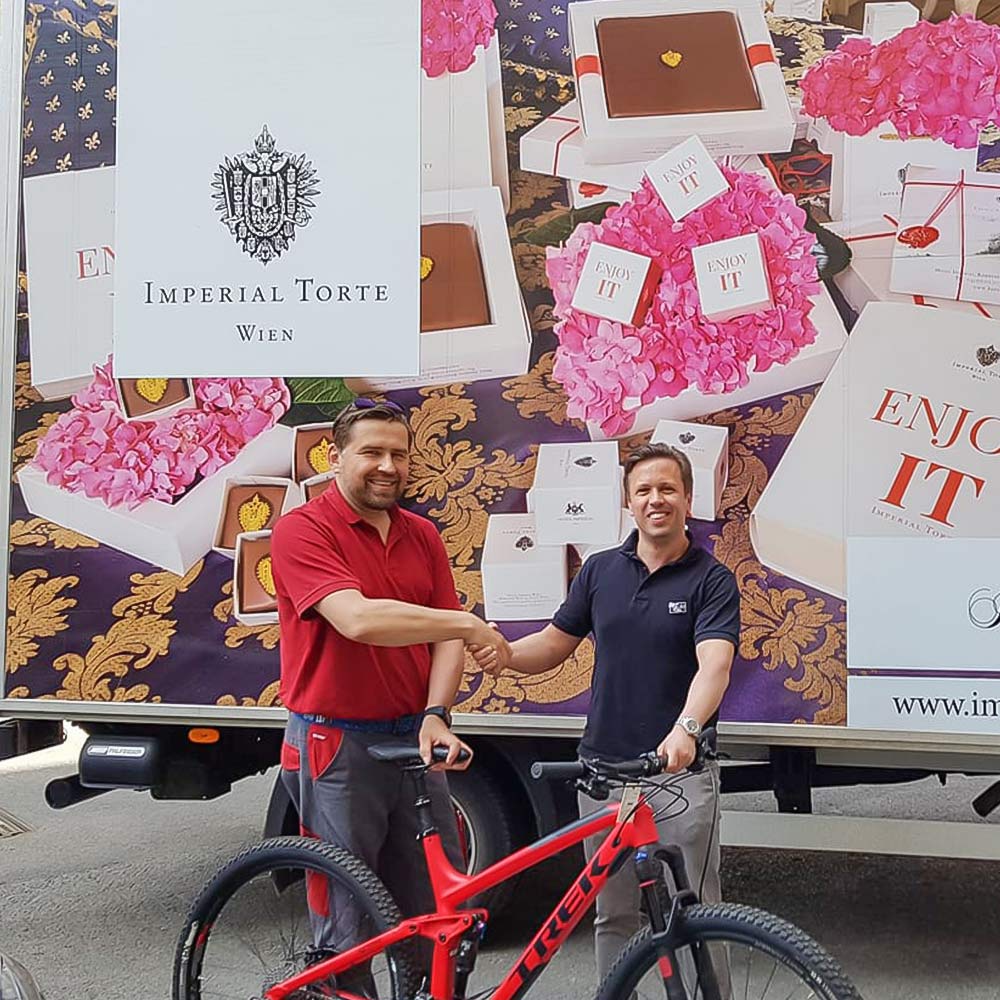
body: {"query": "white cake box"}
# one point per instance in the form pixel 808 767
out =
pixel 463 139
pixel 616 284
pixel 867 278
pixel 626 527
pixel 577 493
pixel 883 20
pixel 770 129
pixel 866 175
pixel 316 486
pixel 171 536
pixel 732 278
pixel 69 228
pixel 948 239
pixel 294 497
pixel 248 617
pixel 845 472
pixel 804 10
pixel 502 347
pixel 325 429
pixel 522 580
pixel 686 178
pixel 810 366
pixel 707 448
pixel 188 402
pixel 584 193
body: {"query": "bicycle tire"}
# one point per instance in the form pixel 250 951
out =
pixel 288 854
pixel 732 923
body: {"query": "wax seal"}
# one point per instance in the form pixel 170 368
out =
pixel 265 575
pixel 151 389
pixel 318 456
pixel 253 514
pixel 671 58
pixel 918 237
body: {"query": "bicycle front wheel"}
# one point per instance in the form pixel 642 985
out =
pixel 255 925
pixel 754 956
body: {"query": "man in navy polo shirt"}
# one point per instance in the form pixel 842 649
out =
pixel 665 617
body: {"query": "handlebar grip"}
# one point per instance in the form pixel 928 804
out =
pixel 554 770
pixel 440 754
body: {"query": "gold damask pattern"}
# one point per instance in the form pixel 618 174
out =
pixel 238 633
pixel 36 609
pixel 539 394
pixel 268 698
pixel 25 394
pixel 39 532
pixel 27 443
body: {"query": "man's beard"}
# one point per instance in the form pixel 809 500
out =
pixel 380 500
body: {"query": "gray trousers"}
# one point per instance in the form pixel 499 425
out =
pixel 365 806
pixel 695 832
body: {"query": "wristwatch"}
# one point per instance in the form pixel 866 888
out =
pixel 690 725
pixel 441 712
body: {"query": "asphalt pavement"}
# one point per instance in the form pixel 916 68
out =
pixel 94 897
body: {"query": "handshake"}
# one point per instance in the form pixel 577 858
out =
pixel 488 647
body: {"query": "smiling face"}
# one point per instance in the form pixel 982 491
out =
pixel 657 499
pixel 373 465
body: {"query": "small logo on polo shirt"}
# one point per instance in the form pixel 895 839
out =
pixel 677 607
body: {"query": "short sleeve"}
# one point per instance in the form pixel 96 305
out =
pixel 443 593
pixel 718 615
pixel 307 563
pixel 574 617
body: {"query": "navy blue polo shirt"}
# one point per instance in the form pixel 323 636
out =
pixel 645 627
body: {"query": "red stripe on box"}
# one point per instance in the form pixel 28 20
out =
pixel 588 64
pixel 649 287
pixel 982 309
pixel 760 54
pixel 559 142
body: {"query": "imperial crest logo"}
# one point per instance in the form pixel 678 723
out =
pixel 263 195
pixel 987 356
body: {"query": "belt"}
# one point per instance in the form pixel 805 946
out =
pixel 405 725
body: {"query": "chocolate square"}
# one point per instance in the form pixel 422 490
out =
pixel 142 397
pixel 713 73
pixel 250 508
pixel 452 284
pixel 318 488
pixel 312 450
pixel 256 578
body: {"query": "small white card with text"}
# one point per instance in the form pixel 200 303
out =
pixel 686 178
pixel 616 284
pixel 732 277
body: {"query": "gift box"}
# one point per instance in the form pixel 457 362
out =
pixel 616 284
pixel 707 448
pixel 867 278
pixel 686 177
pixel 948 240
pixel 873 459
pixel 254 596
pixel 626 526
pixel 463 141
pixel 153 398
pixel 472 315
pixel 310 450
pixel 584 193
pixel 646 79
pixel 522 580
pixel 172 536
pixel 883 20
pixel 810 366
pixel 316 486
pixel 69 223
pixel 732 278
pixel 866 175
pixel 803 10
pixel 252 503
pixel 577 493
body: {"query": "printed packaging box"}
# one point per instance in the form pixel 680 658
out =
pixel 732 278
pixel 254 597
pixel 496 348
pixel 686 178
pixel 948 240
pixel 809 367
pixel 804 10
pixel 616 284
pixel 577 493
pixel 626 527
pixel 171 536
pixel 883 20
pixel 69 228
pixel 707 447
pixel 648 77
pixel 867 278
pixel 310 450
pixel 901 441
pixel 584 193
pixel 522 580
pixel 463 141
pixel 252 503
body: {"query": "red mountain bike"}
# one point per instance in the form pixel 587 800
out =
pixel 248 936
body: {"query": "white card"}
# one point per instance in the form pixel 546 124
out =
pixel 732 277
pixel 686 178
pixel 616 284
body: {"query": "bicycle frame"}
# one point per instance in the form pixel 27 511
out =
pixel 444 927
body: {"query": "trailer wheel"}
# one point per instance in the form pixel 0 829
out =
pixel 484 827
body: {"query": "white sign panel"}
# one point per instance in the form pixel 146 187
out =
pixel 267 222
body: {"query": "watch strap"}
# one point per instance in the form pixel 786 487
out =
pixel 441 712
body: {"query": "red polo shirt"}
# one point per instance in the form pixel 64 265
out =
pixel 325 546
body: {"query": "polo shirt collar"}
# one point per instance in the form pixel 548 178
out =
pixel 349 514
pixel 628 548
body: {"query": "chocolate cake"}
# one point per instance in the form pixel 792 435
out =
pixel 142 397
pixel 675 64
pixel 256 579
pixel 312 451
pixel 250 508
pixel 452 284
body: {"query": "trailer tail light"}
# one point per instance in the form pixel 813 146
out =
pixel 203 735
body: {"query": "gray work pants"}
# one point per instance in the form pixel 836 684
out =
pixel 695 831
pixel 347 798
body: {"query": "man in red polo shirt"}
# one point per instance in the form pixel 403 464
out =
pixel 372 648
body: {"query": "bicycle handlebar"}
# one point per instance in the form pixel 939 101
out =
pixel 645 766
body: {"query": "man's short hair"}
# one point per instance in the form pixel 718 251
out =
pixel 367 409
pixel 647 452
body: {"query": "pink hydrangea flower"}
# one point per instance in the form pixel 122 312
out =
pixel 452 30
pixel 94 450
pixel 939 80
pixel 608 369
